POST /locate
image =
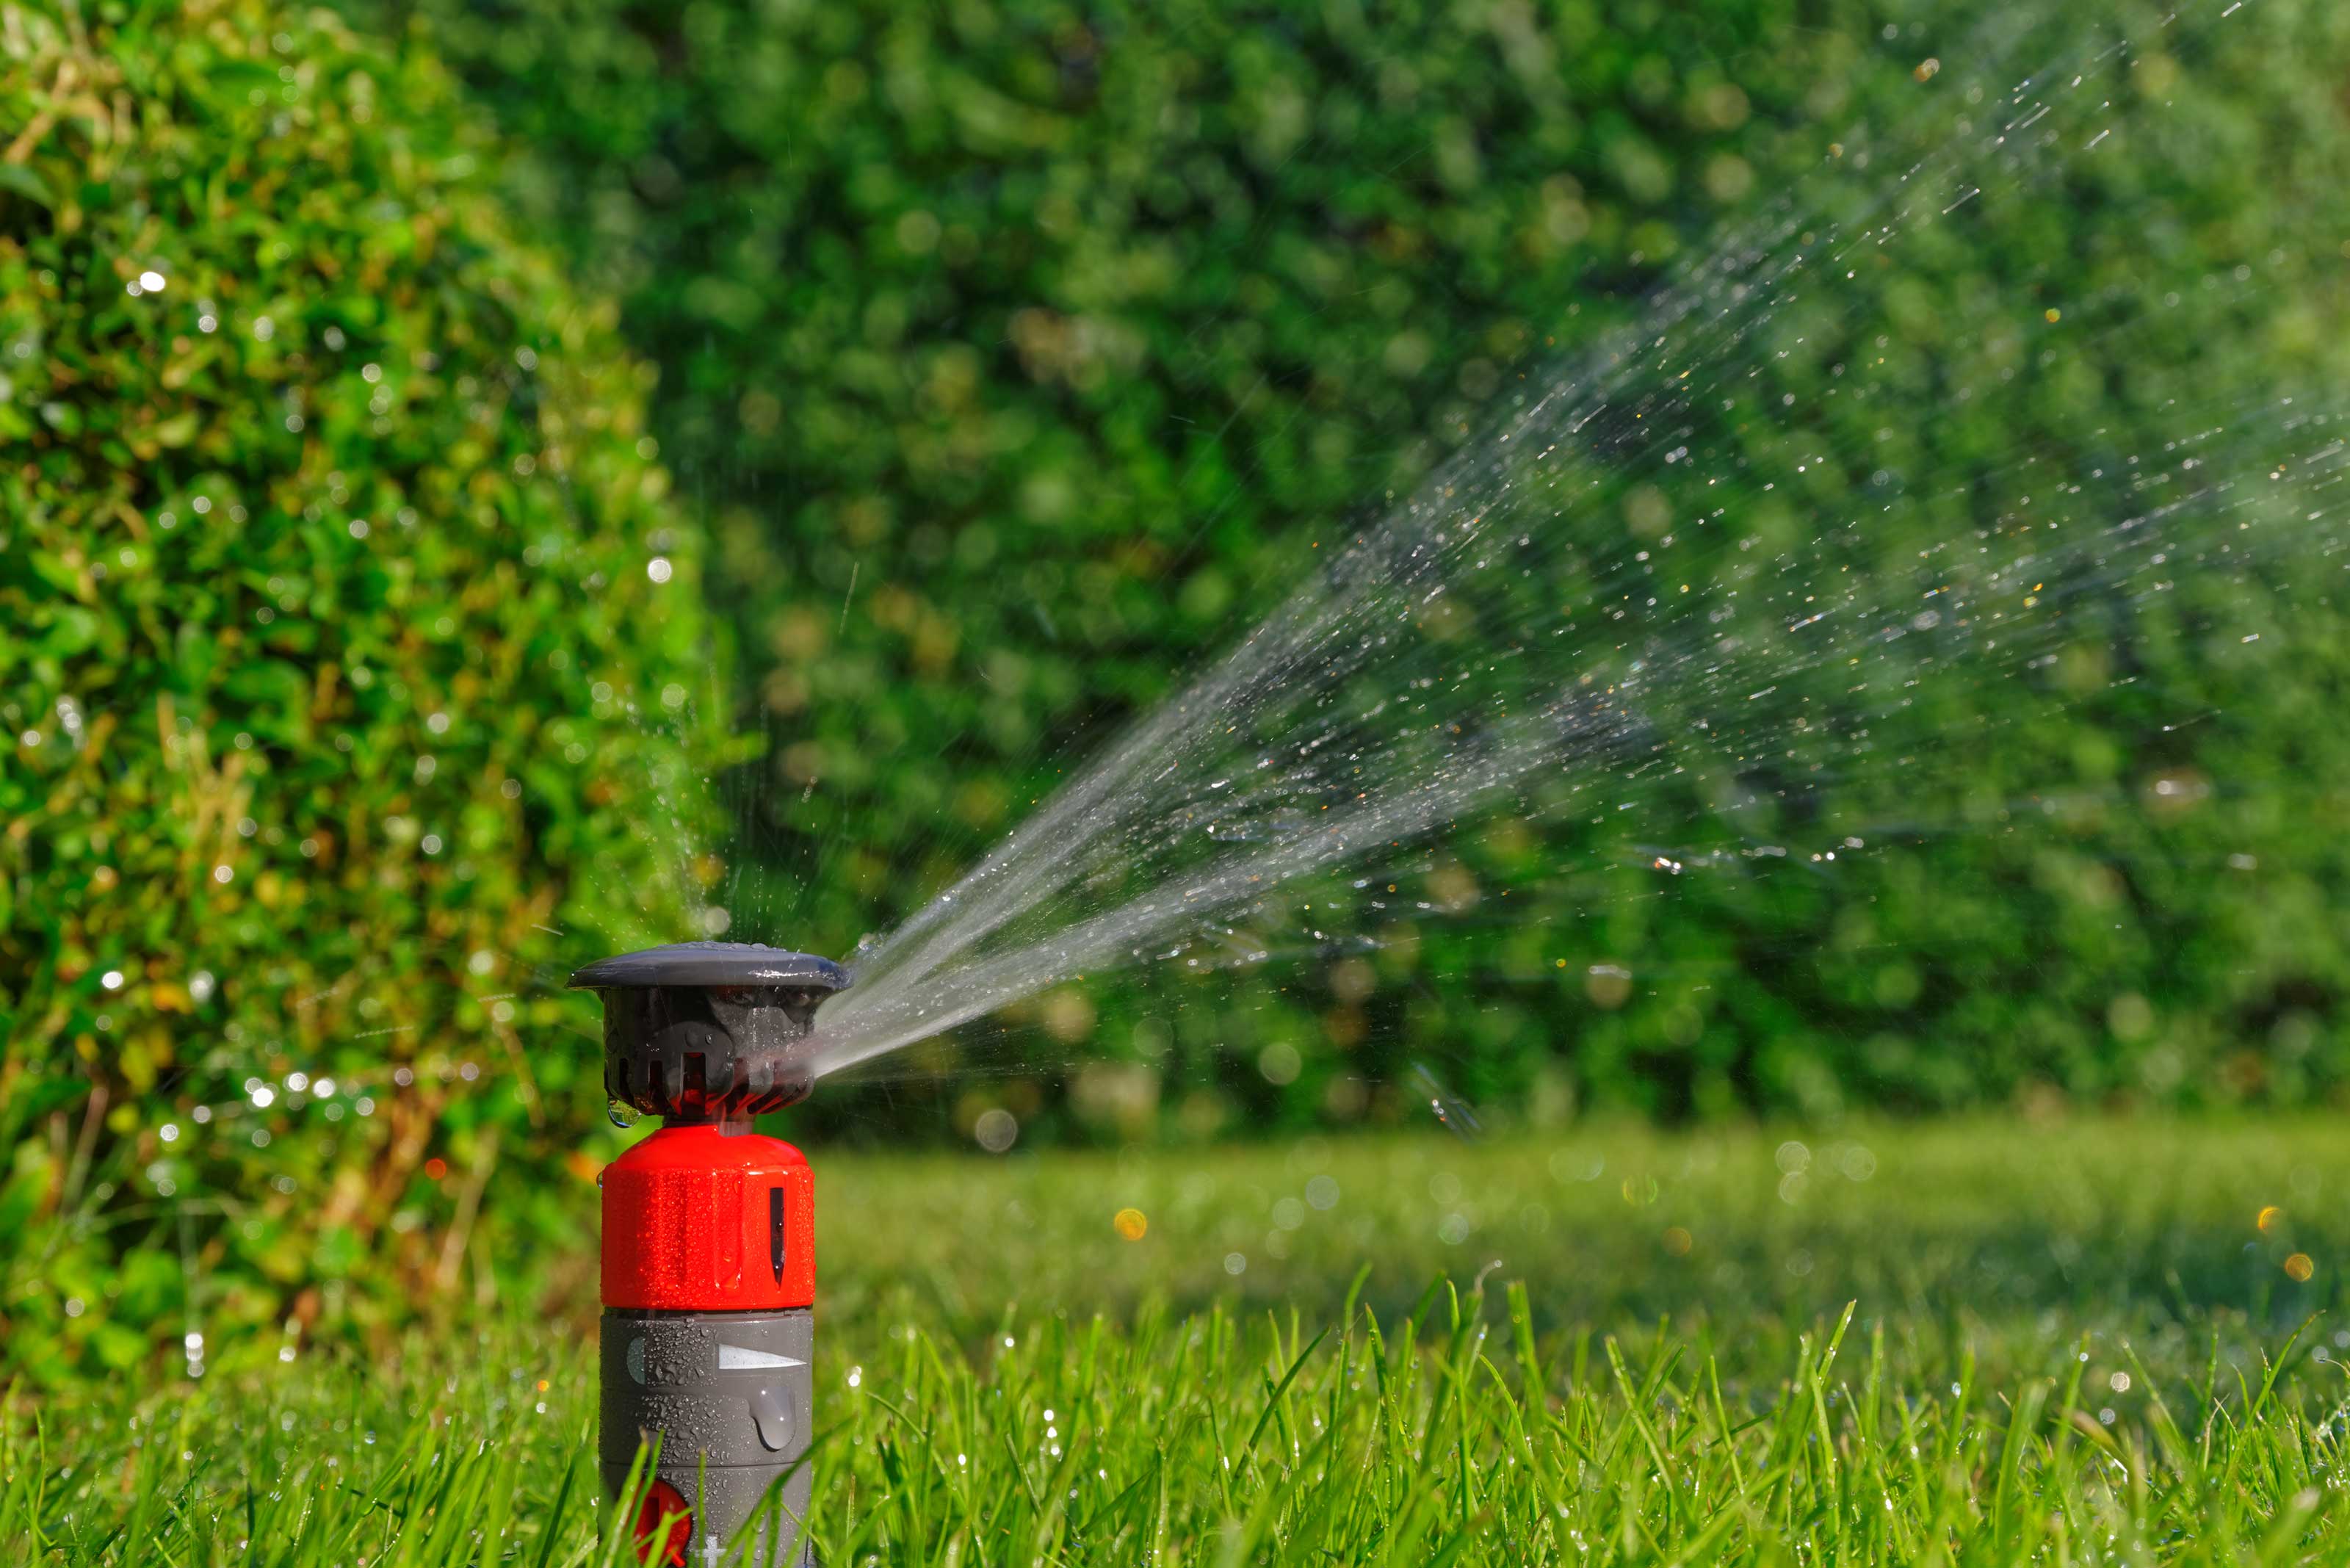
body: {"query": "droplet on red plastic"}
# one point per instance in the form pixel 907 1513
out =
pixel 664 1502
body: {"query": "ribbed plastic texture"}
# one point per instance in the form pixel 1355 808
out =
pixel 698 1220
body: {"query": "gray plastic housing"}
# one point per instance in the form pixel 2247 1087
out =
pixel 732 1396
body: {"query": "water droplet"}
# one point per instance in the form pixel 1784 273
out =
pixel 623 1115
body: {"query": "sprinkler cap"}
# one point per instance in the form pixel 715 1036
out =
pixel 709 1030
pixel 712 963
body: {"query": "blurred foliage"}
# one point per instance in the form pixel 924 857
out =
pixel 1019 351
pixel 1016 354
pixel 330 665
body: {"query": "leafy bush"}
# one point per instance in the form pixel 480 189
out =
pixel 1016 354
pixel 1018 350
pixel 335 674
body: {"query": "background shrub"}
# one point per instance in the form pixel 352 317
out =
pixel 334 678
pixel 1014 350
pixel 1011 358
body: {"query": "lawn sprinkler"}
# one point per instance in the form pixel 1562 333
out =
pixel 709 1258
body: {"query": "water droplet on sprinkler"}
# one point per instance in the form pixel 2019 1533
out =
pixel 622 1114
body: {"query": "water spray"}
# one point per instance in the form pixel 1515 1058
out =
pixel 709 1258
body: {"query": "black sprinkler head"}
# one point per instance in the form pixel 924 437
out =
pixel 709 1030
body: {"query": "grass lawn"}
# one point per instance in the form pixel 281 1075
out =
pixel 2076 1342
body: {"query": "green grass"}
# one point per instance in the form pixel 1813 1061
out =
pixel 2070 1344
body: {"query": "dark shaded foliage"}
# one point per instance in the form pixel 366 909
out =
pixel 1019 352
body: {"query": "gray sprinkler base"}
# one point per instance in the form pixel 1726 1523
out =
pixel 733 1396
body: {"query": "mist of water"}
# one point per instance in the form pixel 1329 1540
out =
pixel 1680 580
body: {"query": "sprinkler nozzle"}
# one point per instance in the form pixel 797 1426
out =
pixel 700 1032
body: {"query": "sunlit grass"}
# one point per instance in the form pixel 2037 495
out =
pixel 2075 1343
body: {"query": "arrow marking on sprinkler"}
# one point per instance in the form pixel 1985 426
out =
pixel 734 1358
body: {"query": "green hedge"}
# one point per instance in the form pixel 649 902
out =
pixel 1013 354
pixel 1014 348
pixel 333 677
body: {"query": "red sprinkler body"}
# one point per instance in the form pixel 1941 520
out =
pixel 709 1258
